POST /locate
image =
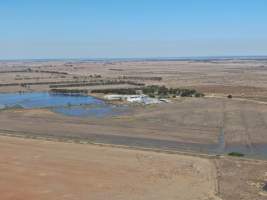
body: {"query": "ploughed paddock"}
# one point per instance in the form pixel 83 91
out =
pixel 39 169
pixel 32 169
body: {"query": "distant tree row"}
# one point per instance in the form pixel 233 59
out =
pixel 122 91
pixel 151 78
pixel 42 83
pixel 69 91
pixel 101 82
pixel 36 71
pixel 88 77
pixel 60 84
pixel 153 91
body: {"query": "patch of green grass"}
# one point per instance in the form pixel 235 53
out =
pixel 236 154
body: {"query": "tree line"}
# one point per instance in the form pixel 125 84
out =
pixel 152 91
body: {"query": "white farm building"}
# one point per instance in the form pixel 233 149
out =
pixel 133 98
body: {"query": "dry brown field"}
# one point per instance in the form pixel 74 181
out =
pixel 242 78
pixel 199 126
pixel 44 170
pixel 39 169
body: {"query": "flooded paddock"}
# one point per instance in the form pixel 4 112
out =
pixel 66 104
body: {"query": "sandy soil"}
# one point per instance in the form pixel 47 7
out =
pixel 32 169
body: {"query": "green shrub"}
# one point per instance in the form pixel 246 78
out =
pixel 236 154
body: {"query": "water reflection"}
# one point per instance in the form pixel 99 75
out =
pixel 71 105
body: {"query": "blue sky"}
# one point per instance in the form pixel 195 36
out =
pixel 132 28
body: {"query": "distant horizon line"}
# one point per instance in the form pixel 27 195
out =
pixel 251 57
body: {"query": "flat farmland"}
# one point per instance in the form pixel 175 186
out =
pixel 39 169
pixel 49 170
pixel 49 155
pixel 242 78
pixel 208 125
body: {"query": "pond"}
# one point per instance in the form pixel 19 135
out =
pixel 70 105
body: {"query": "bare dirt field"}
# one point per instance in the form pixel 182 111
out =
pixel 32 169
pixel 241 179
pixel 39 169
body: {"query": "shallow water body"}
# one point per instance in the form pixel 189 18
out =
pixel 70 105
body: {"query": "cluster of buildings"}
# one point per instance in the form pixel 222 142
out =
pixel 142 99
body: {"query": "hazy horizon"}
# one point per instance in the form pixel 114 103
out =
pixel 260 57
